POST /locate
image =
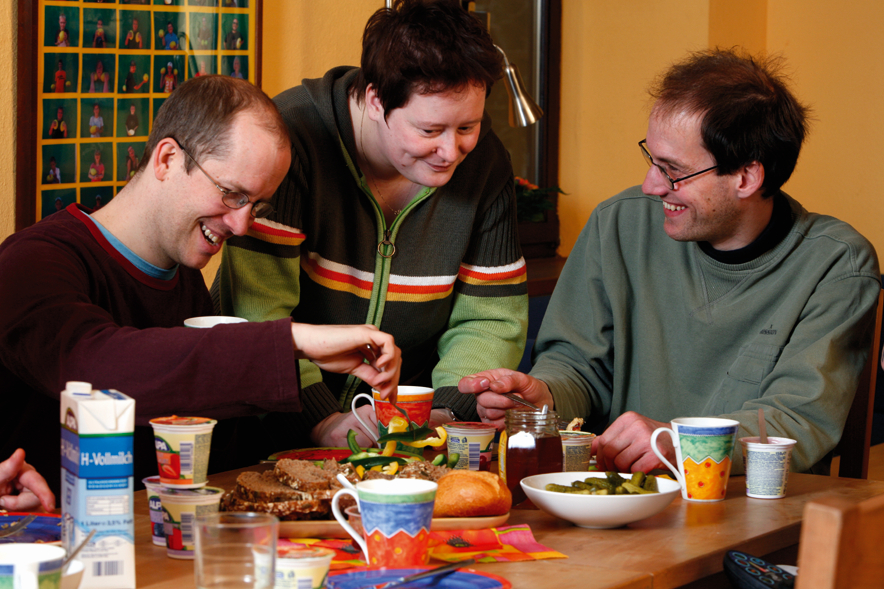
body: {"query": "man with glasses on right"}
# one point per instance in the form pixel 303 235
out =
pixel 707 291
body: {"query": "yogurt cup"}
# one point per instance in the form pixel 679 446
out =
pixel 767 466
pixel 183 445
pixel 180 509
pixel 302 567
pixel 472 441
pixel 153 486
pixel 576 450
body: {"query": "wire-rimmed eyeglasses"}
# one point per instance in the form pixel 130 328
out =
pixel 672 181
pixel 231 198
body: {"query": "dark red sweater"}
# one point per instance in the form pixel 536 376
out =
pixel 73 308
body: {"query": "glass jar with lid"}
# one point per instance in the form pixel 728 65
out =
pixel 529 445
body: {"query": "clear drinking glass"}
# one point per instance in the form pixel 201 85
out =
pixel 235 550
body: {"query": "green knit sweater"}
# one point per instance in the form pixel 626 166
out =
pixel 454 292
pixel 640 322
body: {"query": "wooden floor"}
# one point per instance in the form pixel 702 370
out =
pixel 876 463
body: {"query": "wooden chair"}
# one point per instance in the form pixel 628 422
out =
pixel 840 544
pixel 853 448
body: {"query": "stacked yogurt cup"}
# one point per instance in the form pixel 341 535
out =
pixel 180 492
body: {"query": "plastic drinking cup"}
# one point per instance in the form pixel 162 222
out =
pixel 302 567
pixel 183 445
pixel 181 507
pixel 703 447
pixel 153 486
pixel 471 441
pixel 767 466
pixel 396 519
pixel 236 549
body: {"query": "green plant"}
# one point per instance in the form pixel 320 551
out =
pixel 532 202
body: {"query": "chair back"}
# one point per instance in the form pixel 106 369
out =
pixel 840 544
pixel 853 448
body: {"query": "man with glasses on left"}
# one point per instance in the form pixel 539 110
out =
pixel 102 296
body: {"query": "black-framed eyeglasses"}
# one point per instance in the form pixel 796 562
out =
pixel 231 198
pixel 672 181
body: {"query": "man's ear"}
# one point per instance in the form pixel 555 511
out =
pixel 751 177
pixel 164 156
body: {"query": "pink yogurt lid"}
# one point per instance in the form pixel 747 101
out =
pixel 176 420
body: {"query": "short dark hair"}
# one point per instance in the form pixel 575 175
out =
pixel 200 113
pixel 748 112
pixel 425 47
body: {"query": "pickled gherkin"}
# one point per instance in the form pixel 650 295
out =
pixel 611 484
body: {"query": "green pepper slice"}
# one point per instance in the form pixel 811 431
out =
pixel 351 442
pixel 414 435
pixel 374 460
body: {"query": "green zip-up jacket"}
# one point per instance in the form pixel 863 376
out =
pixel 453 293
pixel 641 322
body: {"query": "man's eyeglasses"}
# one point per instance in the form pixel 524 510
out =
pixel 231 198
pixel 672 181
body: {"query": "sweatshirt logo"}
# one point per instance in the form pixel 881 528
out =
pixel 769 331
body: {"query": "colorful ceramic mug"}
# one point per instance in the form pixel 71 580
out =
pixel 396 520
pixel 703 447
pixel 417 402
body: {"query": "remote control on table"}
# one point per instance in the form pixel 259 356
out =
pixel 750 572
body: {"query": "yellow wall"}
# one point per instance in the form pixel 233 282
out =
pixel 611 50
pixel 8 16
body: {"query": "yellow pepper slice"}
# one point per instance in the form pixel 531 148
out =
pixel 391 468
pixel 434 442
pixel 397 424
pixel 360 471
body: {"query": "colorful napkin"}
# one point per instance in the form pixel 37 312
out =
pixel 506 544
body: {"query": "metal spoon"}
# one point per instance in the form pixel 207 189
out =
pixel 76 551
pixel 521 401
pixel 17 526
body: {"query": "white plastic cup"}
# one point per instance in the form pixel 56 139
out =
pixel 30 565
pixel 767 466
pixel 299 566
pixel 183 445
pixel 212 321
pixel 471 441
pixel 181 507
pixel 155 503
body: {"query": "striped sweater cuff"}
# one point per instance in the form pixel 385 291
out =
pixel 317 403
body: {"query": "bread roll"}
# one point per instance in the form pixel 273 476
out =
pixel 471 493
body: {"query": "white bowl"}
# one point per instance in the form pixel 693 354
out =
pixel 71 580
pixel 596 511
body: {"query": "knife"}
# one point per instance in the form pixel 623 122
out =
pixel 443 570
pixel 19 525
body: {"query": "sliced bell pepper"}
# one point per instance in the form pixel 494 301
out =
pixel 439 460
pixel 426 441
pixel 398 424
pixel 351 442
pixel 407 436
pixel 360 471
pixel 391 468
pixel 375 460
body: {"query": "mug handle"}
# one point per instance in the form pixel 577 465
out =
pixel 27 575
pixel 370 429
pixel 342 519
pixel 677 472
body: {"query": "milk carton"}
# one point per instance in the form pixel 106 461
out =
pixel 97 483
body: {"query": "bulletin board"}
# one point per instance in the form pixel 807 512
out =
pixel 101 72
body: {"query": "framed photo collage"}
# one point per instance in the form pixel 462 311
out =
pixel 104 70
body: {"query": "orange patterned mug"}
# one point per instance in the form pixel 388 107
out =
pixel 703 447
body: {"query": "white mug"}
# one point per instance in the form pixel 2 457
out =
pixel 29 566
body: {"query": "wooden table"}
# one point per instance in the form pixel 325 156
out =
pixel 683 545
